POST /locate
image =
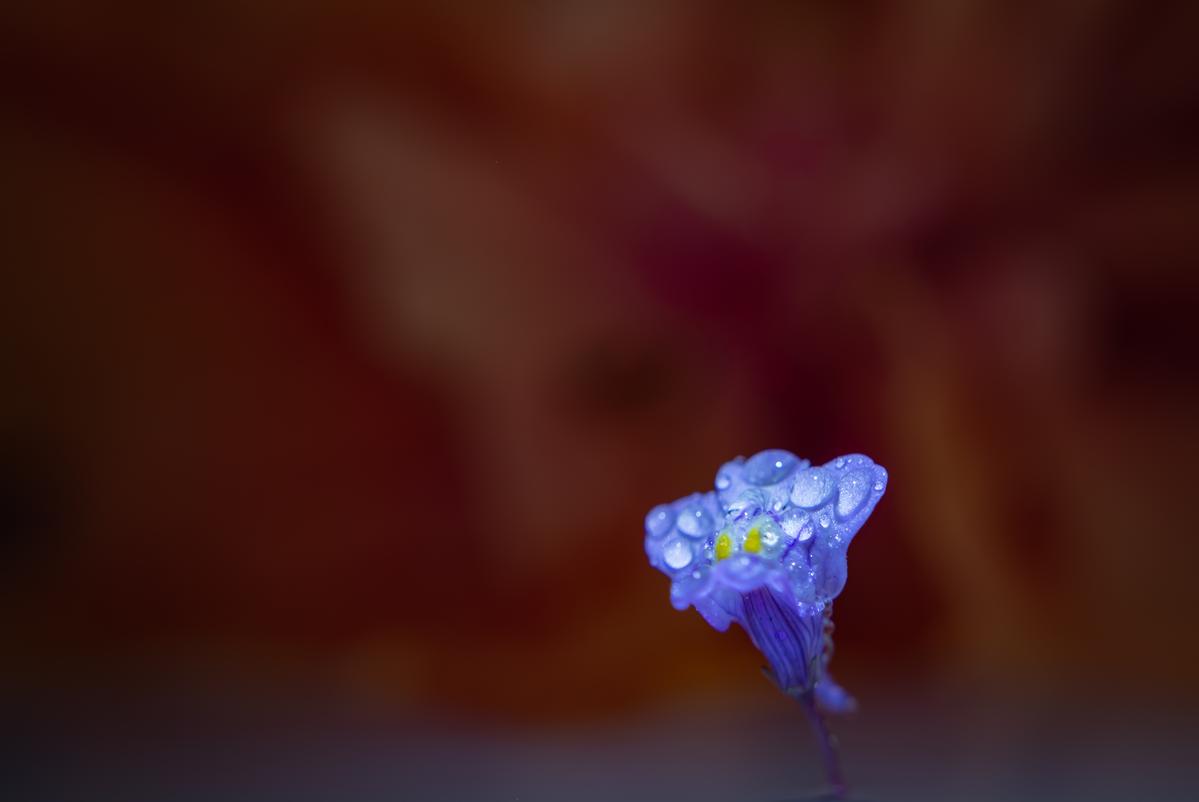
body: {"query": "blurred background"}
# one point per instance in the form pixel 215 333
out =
pixel 347 344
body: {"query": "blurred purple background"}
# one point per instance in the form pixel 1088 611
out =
pixel 348 344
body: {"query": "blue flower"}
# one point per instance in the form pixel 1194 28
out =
pixel 766 549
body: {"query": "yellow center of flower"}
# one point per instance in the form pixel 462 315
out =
pixel 724 546
pixel 753 541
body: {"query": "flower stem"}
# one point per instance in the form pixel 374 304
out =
pixel 828 744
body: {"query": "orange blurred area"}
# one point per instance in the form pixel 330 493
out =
pixel 348 344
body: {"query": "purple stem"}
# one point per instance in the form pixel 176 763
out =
pixel 828 744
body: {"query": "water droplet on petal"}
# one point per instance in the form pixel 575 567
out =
pixel 824 519
pixel 854 489
pixel 840 463
pixel 659 521
pixel 792 521
pixel 676 554
pixel 723 481
pixel 812 488
pixel 770 537
pixel 878 487
pixel 695 521
pixel 770 466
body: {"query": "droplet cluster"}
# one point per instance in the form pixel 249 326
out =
pixel 773 520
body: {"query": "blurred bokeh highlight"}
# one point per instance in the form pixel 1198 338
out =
pixel 347 344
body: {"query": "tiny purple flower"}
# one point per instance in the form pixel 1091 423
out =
pixel 766 549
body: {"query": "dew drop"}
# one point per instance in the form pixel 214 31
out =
pixel 812 488
pixel 723 481
pixel 695 521
pixel 854 489
pixel 770 466
pixel 677 554
pixel 659 521
pixel 770 537
pixel 792 521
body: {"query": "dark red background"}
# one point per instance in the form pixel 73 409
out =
pixel 348 343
